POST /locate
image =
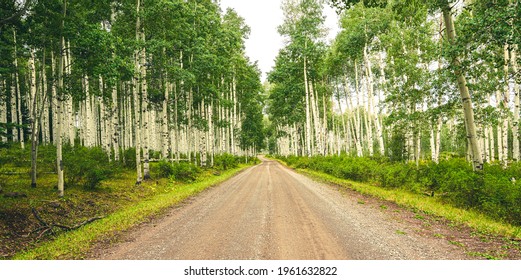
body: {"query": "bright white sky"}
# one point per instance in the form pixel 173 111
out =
pixel 263 17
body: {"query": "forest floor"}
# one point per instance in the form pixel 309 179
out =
pixel 271 212
pixel 20 229
pixel 30 217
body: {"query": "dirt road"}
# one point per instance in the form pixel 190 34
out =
pixel 270 212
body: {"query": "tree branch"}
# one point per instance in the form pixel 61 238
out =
pixel 45 227
pixel 16 14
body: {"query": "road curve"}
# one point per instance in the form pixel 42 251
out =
pixel 271 212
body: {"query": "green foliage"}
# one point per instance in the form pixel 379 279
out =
pixel 184 172
pixel 163 169
pixel 86 167
pixel 225 161
pixel 12 155
pixel 495 192
pixel 129 158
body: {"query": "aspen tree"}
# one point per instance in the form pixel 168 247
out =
pixel 309 152
pixel 515 121
pixel 21 135
pixel 463 89
pixel 59 159
pixel 137 105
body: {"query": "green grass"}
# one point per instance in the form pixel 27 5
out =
pixel 76 244
pixel 428 205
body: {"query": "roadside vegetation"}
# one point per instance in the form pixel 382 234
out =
pixel 102 198
pixel 489 201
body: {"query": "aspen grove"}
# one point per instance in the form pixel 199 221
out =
pixel 417 96
pixel 169 79
pixel 403 79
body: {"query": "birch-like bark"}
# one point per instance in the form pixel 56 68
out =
pixel 21 135
pixel 211 133
pixel 59 159
pixel 104 128
pixel 202 142
pixel 515 121
pixel 45 122
pixel 137 107
pixel 505 107
pixel 115 122
pixel 3 108
pixel 370 105
pixel 324 133
pixel 463 89
pixel 14 118
pixel 358 117
pixel 308 113
pixel 176 127
pixel 34 121
pixel 165 123
pixel 316 120
pixel 189 126
pixel 146 114
pixel 70 116
pixel 90 132
pixel 499 127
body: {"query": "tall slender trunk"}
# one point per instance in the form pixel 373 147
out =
pixel 115 122
pixel 146 112
pixel 515 121
pixel 505 107
pixel 14 118
pixel 370 105
pixel 202 143
pixel 308 113
pixel 211 133
pixel 34 120
pixel 233 115
pixel 70 115
pixel 316 120
pixel 3 108
pixel 45 123
pixel 21 135
pixel 165 122
pixel 137 107
pixel 463 89
pixel 358 117
pixel 176 126
pixel 59 159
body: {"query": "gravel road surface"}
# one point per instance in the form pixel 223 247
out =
pixel 271 212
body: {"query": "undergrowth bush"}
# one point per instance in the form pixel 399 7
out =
pixel 129 158
pixel 86 167
pixel 164 169
pixel 225 161
pixel 184 172
pixel 495 192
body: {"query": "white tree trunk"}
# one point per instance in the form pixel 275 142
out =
pixel 308 113
pixel 464 91
pixel 3 109
pixel 515 121
pixel 21 136
pixel 59 159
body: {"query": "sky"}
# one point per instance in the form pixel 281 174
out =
pixel 263 17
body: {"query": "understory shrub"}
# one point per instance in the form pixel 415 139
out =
pixel 86 167
pixel 184 172
pixel 495 192
pixel 129 158
pixel 225 161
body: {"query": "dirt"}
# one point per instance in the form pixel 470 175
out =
pixel 271 212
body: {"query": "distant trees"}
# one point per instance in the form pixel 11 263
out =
pixel 111 74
